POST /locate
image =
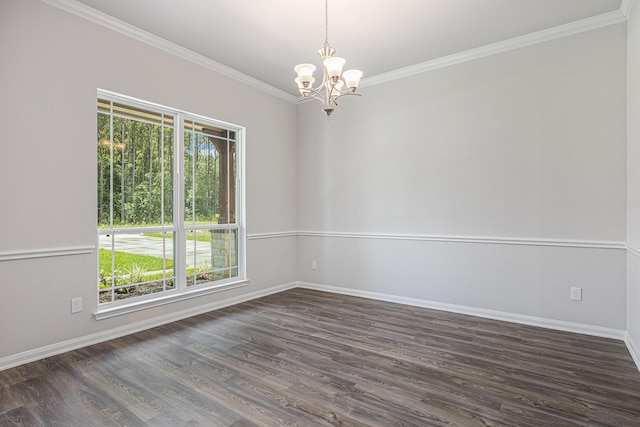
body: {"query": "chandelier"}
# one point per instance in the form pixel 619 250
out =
pixel 332 86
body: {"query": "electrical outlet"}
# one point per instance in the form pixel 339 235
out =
pixel 76 305
pixel 576 294
pixel 314 264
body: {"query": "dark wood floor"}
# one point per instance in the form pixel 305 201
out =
pixel 310 358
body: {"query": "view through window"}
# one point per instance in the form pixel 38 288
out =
pixel 168 198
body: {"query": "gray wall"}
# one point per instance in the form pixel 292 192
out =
pixel 633 180
pixel 523 146
pixel 52 64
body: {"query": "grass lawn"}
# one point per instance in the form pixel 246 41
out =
pixel 124 261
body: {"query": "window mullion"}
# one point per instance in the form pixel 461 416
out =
pixel 180 245
pixel 111 165
pixel 162 212
pixel 228 180
pixel 193 147
pixel 111 144
pixel 240 206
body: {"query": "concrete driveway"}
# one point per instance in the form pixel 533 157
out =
pixel 197 252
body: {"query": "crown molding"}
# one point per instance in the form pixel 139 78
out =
pixel 151 39
pixel 625 7
pixel 549 34
pixel 100 18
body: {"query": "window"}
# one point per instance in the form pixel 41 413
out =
pixel 169 199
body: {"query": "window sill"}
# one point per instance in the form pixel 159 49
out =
pixel 132 307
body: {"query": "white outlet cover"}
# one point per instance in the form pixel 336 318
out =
pixel 576 294
pixel 76 305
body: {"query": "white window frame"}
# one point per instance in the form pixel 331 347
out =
pixel 181 291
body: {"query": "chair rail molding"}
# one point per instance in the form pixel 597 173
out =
pixel 633 249
pixel 46 253
pixel 522 241
pixel 271 235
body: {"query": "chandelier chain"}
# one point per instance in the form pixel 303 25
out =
pixel 326 23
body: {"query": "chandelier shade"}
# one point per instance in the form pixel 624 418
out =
pixel 334 80
pixel 334 67
pixel 352 79
pixel 305 72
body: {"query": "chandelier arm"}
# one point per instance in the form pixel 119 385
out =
pixel 338 92
pixel 317 92
pixel 346 94
pixel 314 94
pixel 315 98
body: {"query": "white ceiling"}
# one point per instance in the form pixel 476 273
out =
pixel 266 39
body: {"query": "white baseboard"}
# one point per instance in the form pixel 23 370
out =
pixel 560 325
pixel 73 344
pixel 633 349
